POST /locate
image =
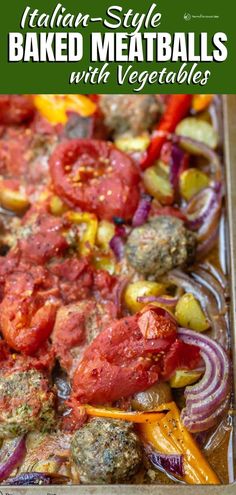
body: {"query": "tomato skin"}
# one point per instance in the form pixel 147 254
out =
pixel 15 109
pixel 182 356
pixel 118 363
pixel 156 322
pixel 42 246
pixel 28 308
pixel 76 324
pixel 111 178
pixel 122 361
pixel 24 326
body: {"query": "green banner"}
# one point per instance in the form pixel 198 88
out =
pixel 128 46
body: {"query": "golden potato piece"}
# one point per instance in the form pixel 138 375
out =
pixel 140 289
pixel 189 314
pixel 158 185
pixel 133 143
pixel 199 130
pixel 191 182
pixel 13 200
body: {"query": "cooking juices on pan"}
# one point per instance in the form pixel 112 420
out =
pixel 115 346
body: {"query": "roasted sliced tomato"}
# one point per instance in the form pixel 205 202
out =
pixel 118 363
pixel 122 361
pixel 94 176
pixel 25 324
pixel 16 109
pixel 28 310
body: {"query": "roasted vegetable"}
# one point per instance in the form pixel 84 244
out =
pixel 131 143
pixel 140 289
pixel 157 184
pixel 55 107
pixel 153 397
pixel 133 416
pixel 182 378
pixel 105 232
pixel 189 313
pixel 13 200
pixel 201 102
pixel 199 130
pixel 56 205
pixel 88 236
pixel 169 436
pixel 105 263
pixel 177 108
pixel 191 182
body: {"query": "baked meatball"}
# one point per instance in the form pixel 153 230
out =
pixel 129 114
pixel 106 451
pixel 160 245
pixel 26 403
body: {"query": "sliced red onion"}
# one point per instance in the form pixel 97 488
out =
pixel 201 206
pixel 207 301
pixel 205 246
pixel 166 300
pixel 201 149
pixel 212 220
pixel 36 478
pixel 177 156
pixel 117 246
pixel 217 274
pixel 206 279
pixel 141 214
pixel 207 400
pixel 172 463
pixel 14 459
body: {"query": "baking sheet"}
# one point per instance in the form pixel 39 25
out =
pixel 229 102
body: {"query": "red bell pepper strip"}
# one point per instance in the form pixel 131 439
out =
pixel 177 107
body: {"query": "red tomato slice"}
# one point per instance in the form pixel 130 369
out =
pixel 24 324
pixel 119 363
pixel 96 177
pixel 15 109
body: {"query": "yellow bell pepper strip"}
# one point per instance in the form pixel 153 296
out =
pixel 169 436
pixel 201 102
pixel 133 416
pixel 55 107
pixel 89 235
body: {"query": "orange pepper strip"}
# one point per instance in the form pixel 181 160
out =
pixel 134 416
pixel 55 107
pixel 169 436
pixel 201 102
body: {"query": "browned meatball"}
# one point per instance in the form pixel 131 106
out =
pixel 131 114
pixel 26 403
pixel 106 451
pixel 160 245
